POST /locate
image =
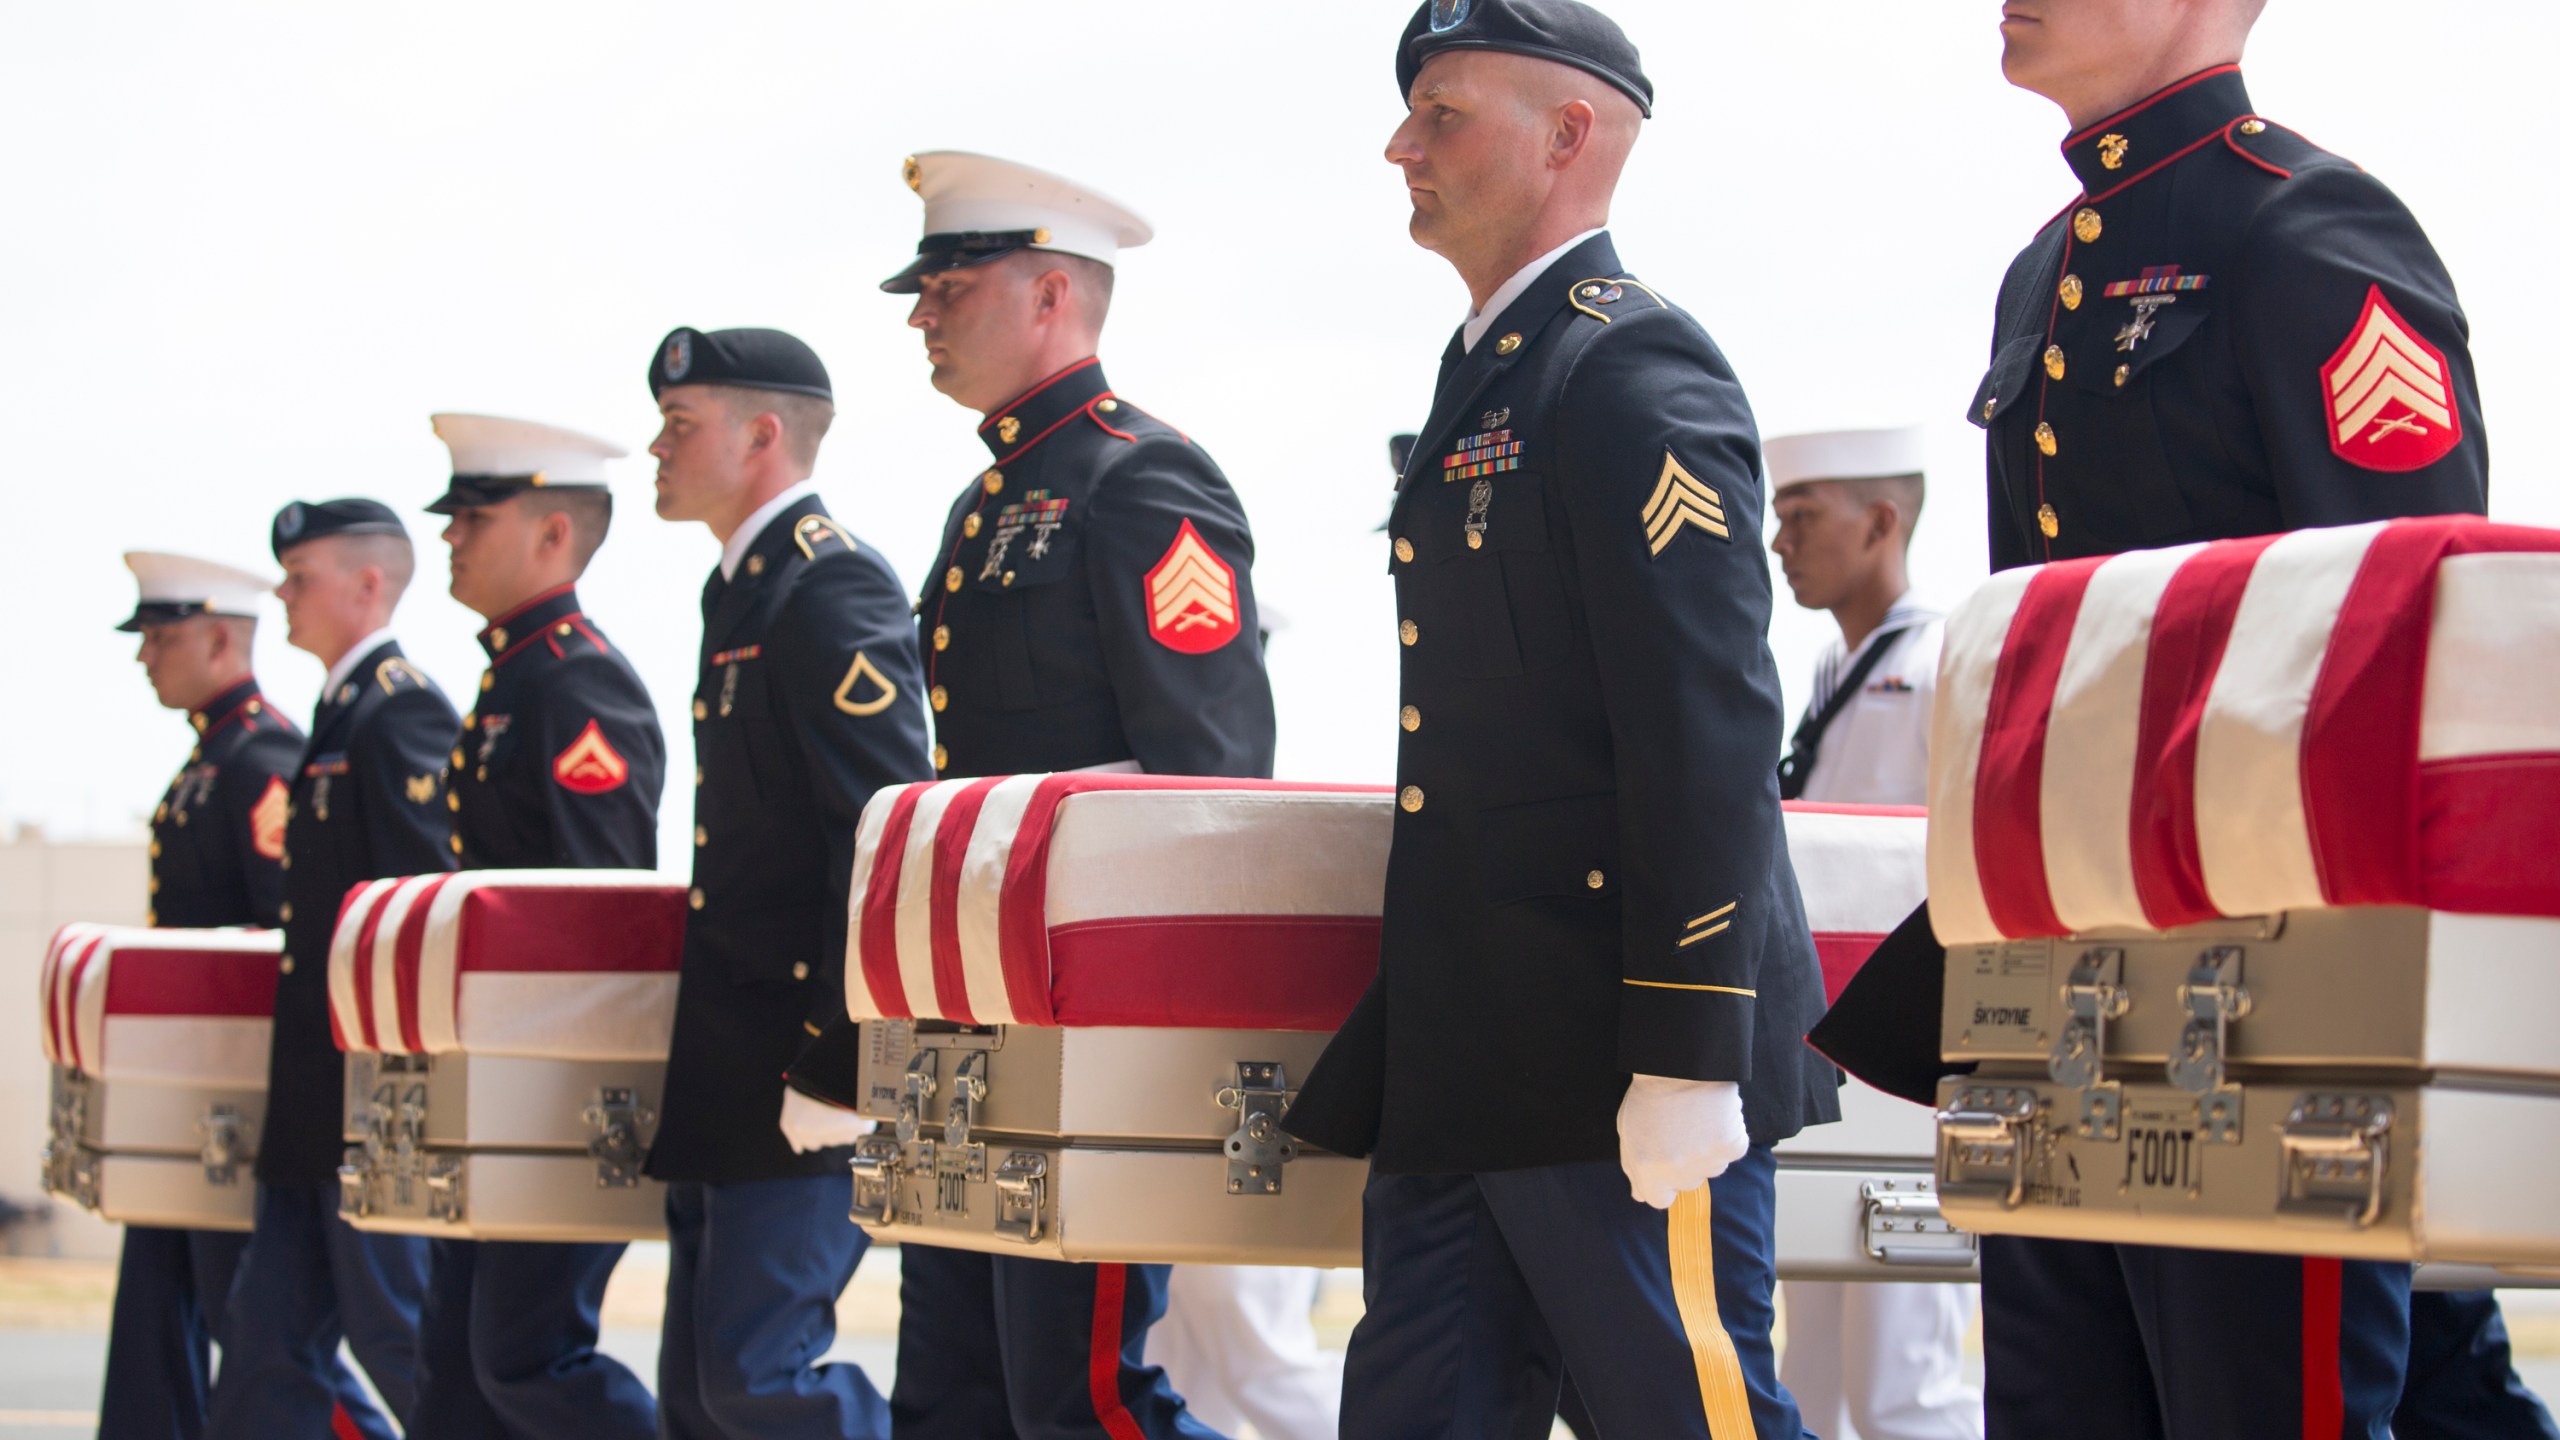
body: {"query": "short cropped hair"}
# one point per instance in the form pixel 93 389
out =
pixel 392 554
pixel 590 515
pixel 1907 492
pixel 804 418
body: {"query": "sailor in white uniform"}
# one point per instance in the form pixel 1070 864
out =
pixel 1866 1361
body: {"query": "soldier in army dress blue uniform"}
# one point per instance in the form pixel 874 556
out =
pixel 559 766
pixel 808 698
pixel 367 801
pixel 2229 332
pixel 217 843
pixel 1093 609
pixel 1595 973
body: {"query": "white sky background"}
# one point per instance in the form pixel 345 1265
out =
pixel 249 247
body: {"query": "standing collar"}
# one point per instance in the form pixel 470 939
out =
pixel 221 709
pixel 1511 289
pixel 733 553
pixel 2149 133
pixel 1028 418
pixel 348 662
pixel 529 619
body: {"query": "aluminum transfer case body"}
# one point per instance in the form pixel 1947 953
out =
pixel 506 1036
pixel 1085 999
pixel 157 1041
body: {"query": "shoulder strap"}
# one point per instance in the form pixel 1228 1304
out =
pixel 1805 746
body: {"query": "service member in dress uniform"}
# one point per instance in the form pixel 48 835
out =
pixel 808 698
pixel 1871 1361
pixel 367 801
pixel 2228 332
pixel 559 766
pixel 1094 609
pixel 1595 975
pixel 216 843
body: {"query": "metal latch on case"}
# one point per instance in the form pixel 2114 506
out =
pixel 875 1180
pixel 1903 1225
pixel 220 1148
pixel 2214 998
pixel 617 1117
pixel 1259 1149
pixel 2337 1157
pixel 445 1198
pixel 1983 1142
pixel 1022 1195
pixel 2094 995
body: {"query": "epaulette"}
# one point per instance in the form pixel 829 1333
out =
pixel 1596 296
pixel 2271 147
pixel 818 537
pixel 396 674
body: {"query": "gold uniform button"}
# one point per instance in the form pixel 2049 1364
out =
pixel 457 753
pixel 285 965
pixel 564 629
pixel 1990 405
pixel 969 524
pixel 2045 441
pixel 941 758
pixel 455 842
pixel 2086 227
pixel 2048 522
pixel 1404 549
pixel 995 482
pixel 162 814
pixel 256 708
pixel 2253 127
pixel 1408 632
pixel 197 721
pixel 195 754
pixel 701 711
pixel 694 898
pixel 951 578
pixel 941 637
pixel 498 638
pixel 1507 343
pixel 2053 361
pixel 2123 373
pixel 1008 577
pixel 285 860
pixel 286 913
pixel 799 969
pixel 1410 718
pixel 1595 880
pixel 755 564
pixel 155 884
pixel 1107 406
pixel 941 698
pixel 697 775
pixel 1410 798
pixel 151 916
pixel 155 849
pixel 701 837
pixel 488 681
pixel 1475 539
pixel 453 800
pixel 2070 292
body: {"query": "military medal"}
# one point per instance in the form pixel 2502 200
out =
pixel 1480 496
pixel 2145 313
pixel 1490 453
pixel 491 727
pixel 728 687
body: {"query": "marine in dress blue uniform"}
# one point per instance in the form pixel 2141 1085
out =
pixel 1589 881
pixel 1094 608
pixel 367 801
pixel 217 838
pixel 2229 332
pixel 559 766
pixel 808 698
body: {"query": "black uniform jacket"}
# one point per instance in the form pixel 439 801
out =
pixel 368 802
pixel 1095 601
pixel 561 761
pixel 2231 332
pixel 217 840
pixel 1589 877
pixel 808 699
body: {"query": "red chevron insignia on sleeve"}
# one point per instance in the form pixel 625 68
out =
pixel 1191 597
pixel 267 817
pixel 590 766
pixel 2389 394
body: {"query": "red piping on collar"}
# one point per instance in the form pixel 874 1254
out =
pixel 551 594
pixel 1085 409
pixel 2139 106
pixel 2228 131
pixel 1015 403
pixel 2152 169
pixel 503 656
pixel 214 727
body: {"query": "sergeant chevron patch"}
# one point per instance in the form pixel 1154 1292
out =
pixel 2390 394
pixel 267 817
pixel 1191 597
pixel 1682 499
pixel 590 766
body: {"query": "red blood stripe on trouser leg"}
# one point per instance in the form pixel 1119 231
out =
pixel 2324 1396
pixel 1110 1301
pixel 2189 632
pixel 2008 794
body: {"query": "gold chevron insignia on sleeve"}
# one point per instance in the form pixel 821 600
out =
pixel 422 788
pixel 816 530
pixel 1714 922
pixel 863 670
pixel 1682 499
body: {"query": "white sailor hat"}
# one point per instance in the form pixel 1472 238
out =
pixel 494 458
pixel 1843 455
pixel 978 208
pixel 179 587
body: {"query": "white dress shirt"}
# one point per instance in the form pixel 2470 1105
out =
pixel 347 663
pixel 1500 300
pixel 734 553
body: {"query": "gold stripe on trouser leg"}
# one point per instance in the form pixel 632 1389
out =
pixel 1693 1287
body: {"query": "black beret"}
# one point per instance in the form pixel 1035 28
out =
pixel 308 520
pixel 748 359
pixel 1565 31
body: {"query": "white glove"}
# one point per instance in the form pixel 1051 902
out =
pixel 816 1125
pixel 1676 1135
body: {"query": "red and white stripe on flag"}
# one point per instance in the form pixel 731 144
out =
pixel 554 964
pixel 161 1007
pixel 1089 899
pixel 2365 715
